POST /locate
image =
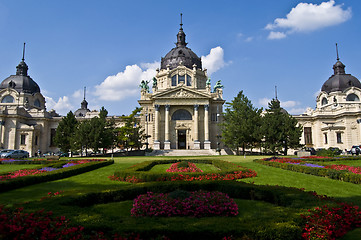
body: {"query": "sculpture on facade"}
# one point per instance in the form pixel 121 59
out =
pixel 155 82
pixel 144 85
pixel 208 82
pixel 218 86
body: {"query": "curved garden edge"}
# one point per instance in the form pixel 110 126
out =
pixel 51 176
pixel 321 172
pixel 140 172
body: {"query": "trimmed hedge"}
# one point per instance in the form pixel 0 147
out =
pixel 18 182
pixel 288 228
pixel 141 171
pixel 343 175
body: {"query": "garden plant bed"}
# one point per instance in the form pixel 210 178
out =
pixel 141 172
pixel 322 168
pixel 91 204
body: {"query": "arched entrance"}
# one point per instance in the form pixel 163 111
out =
pixel 181 118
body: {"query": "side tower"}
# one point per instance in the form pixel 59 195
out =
pixel 181 112
pixel 335 122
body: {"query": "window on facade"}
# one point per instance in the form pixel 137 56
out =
pixel 22 139
pixel 352 97
pixel 174 80
pixel 339 137
pixel 37 103
pixel 189 80
pixel 7 99
pixel 181 114
pixel 36 140
pixel 326 140
pixel 214 117
pixel 308 135
pixel 324 101
pixel 181 79
pixel 52 136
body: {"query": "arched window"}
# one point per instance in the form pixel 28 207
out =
pixel 181 79
pixel 352 97
pixel 181 114
pixel 37 103
pixel 324 101
pixel 8 99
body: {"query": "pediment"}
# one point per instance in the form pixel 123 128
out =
pixel 181 93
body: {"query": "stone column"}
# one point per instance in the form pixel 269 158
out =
pixel 197 144
pixel 156 144
pixel 166 130
pixel 207 143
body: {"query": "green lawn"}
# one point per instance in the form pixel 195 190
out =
pixel 5 168
pixel 117 214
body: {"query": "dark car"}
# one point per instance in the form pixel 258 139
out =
pixel 308 149
pixel 15 154
pixel 355 150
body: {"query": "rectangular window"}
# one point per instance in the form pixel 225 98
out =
pixel 174 80
pixel 181 79
pixel 189 80
pixel 326 141
pixel 52 136
pixel 36 140
pixel 338 136
pixel 22 139
pixel 308 135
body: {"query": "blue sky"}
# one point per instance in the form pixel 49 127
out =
pixel 109 46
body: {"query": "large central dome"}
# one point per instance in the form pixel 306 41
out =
pixel 181 55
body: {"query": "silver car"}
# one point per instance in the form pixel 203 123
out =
pixel 15 154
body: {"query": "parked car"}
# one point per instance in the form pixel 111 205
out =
pixel 307 149
pixel 355 150
pixel 15 154
pixel 5 151
pixel 61 154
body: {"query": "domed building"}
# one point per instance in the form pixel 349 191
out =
pixel 24 122
pixel 181 111
pixel 335 120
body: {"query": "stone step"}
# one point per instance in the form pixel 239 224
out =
pixel 180 152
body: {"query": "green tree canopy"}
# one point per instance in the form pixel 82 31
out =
pixel 65 132
pixel 280 129
pixel 241 125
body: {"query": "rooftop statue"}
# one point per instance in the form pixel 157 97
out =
pixel 218 85
pixel 155 83
pixel 208 82
pixel 144 85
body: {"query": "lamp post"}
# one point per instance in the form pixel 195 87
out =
pixel 218 135
pixel 146 122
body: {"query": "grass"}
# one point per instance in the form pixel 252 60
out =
pixel 5 168
pixel 116 216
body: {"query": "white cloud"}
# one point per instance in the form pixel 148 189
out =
pixel 276 35
pixel 214 60
pixel 62 106
pixel 126 83
pixel 287 104
pixel 297 111
pixel 240 35
pixel 307 17
pixel 264 102
pixel 249 39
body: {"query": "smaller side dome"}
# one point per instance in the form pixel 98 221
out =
pixel 340 81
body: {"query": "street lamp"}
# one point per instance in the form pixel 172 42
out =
pixel 146 122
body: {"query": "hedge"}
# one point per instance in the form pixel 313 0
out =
pixel 343 175
pixel 141 171
pixel 290 228
pixel 14 183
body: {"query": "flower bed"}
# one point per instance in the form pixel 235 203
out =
pixel 339 172
pixel 140 172
pixel 191 168
pixel 198 204
pixel 331 222
pixel 49 172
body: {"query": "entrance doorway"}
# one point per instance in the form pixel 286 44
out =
pixel 182 139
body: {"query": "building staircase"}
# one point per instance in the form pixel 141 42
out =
pixel 183 152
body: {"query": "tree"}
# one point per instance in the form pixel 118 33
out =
pixel 131 135
pixel 65 132
pixel 241 125
pixel 83 136
pixel 280 129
